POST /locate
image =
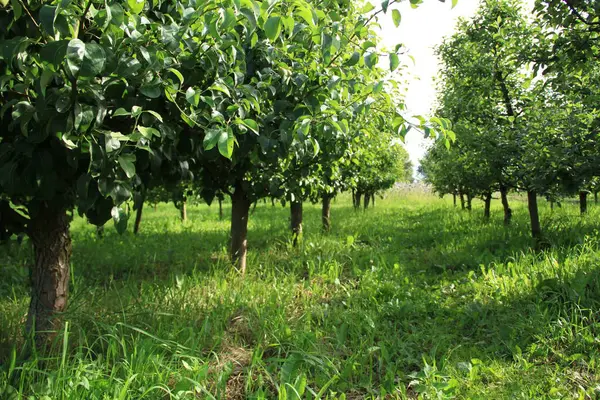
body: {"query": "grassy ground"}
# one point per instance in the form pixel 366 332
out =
pixel 412 299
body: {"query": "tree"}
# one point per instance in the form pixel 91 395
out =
pixel 94 96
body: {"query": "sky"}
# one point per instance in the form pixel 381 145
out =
pixel 420 30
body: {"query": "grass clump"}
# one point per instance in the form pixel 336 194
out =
pixel 411 299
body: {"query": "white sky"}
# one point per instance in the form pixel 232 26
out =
pixel 420 31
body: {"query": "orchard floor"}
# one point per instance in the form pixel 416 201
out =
pixel 411 299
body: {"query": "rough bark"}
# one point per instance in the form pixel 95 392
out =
pixel 534 216
pixel 505 205
pixel 367 200
pixel 487 206
pixel 326 213
pixel 296 214
pixel 240 207
pixel 49 233
pixel 583 202
pixel 138 217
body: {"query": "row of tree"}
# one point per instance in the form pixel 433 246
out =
pixel 522 93
pixel 104 101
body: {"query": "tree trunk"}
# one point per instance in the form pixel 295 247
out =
pixel 357 202
pixel 220 208
pixel 583 202
pixel 367 200
pixel 296 214
pixel 536 230
pixel 326 213
pixel 138 217
pixel 49 232
pixel 487 206
pixel 505 206
pixel 373 200
pixel 240 207
pixel 462 201
pixel 469 202
pixel 183 210
pixel 454 199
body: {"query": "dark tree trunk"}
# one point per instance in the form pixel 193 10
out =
pixel 505 206
pixel 373 200
pixel 240 206
pixel 49 232
pixel 220 208
pixel 357 202
pixel 273 201
pixel 534 216
pixel 367 200
pixel 469 202
pixel 183 210
pixel 583 202
pixel 296 214
pixel 552 205
pixel 326 213
pixel 462 201
pixel 138 217
pixel 487 206
pixel 454 199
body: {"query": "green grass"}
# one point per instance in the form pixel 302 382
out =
pixel 412 299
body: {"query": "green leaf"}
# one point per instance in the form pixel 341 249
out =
pixel 47 16
pixel 135 6
pixel 17 9
pixel 121 112
pixel 54 52
pixel 75 54
pixel 306 14
pixel 220 88
pixel 353 60
pixel 371 60
pixel 127 163
pixel 367 8
pixel 226 142
pixel 192 96
pixel 86 60
pixel 211 138
pixel 148 132
pixel 152 91
pixel 250 124
pixel 177 74
pixel 454 3
pixel 155 115
pixel 45 79
pixel 384 5
pixel 396 17
pixel 394 61
pixel 93 60
pixel 273 27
